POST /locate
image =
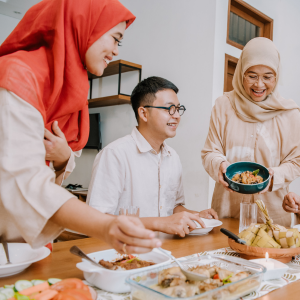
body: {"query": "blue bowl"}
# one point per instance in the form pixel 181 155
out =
pixel 242 166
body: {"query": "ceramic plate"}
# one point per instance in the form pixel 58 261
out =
pixel 21 257
pixel 209 223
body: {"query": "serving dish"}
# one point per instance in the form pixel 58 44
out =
pixel 284 255
pixel 21 257
pixel 242 166
pixel 210 225
pixel 141 283
pixel 114 280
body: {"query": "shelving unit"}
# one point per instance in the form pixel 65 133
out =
pixel 114 68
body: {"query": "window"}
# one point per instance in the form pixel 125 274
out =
pixel 245 23
pixel 230 65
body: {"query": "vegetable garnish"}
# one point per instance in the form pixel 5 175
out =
pixel 226 280
pixel 255 172
pixel 216 276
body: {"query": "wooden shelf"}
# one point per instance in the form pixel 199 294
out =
pixel 113 68
pixel 109 101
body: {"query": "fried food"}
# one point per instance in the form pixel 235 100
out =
pixel 248 178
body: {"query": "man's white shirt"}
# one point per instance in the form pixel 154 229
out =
pixel 128 171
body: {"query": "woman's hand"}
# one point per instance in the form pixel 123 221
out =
pixel 222 171
pixel 131 232
pixel 269 186
pixel 291 203
pixel 57 148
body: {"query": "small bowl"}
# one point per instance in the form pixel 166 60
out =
pixel 278 271
pixel 242 166
pixel 284 255
pixel 21 257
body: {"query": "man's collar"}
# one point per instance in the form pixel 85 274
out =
pixel 144 146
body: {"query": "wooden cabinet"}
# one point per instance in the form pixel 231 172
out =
pixel 114 68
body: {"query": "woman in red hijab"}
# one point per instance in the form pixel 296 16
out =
pixel 43 79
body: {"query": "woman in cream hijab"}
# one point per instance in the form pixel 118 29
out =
pixel 254 123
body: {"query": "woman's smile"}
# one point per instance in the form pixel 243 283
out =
pixel 259 92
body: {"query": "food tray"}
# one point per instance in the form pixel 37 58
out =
pixel 141 282
pixel 284 255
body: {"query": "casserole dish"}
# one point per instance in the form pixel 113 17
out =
pixel 114 280
pixel 142 282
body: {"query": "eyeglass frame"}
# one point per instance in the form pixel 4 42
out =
pixel 169 108
pixel 258 78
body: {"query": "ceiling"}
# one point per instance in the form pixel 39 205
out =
pixel 16 8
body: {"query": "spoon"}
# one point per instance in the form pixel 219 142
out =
pixel 78 252
pixel 5 249
pixel 189 275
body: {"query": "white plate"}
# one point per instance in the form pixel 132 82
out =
pixel 21 256
pixel 209 223
pixel 114 280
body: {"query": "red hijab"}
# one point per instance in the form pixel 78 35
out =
pixel 43 59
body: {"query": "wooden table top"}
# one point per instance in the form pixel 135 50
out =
pixel 62 264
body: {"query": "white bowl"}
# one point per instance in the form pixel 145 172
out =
pixel 114 280
pixel 21 256
pixel 278 271
pixel 209 223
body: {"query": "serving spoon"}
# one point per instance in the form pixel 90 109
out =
pixel 4 243
pixel 189 275
pixel 78 252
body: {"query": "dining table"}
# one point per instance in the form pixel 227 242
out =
pixel 62 264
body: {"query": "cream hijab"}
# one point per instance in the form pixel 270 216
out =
pixel 258 51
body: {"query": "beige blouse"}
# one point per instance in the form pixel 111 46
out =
pixel 29 195
pixel 274 144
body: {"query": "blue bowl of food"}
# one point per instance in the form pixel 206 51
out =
pixel 247 177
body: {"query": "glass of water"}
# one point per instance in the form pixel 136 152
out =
pixel 129 210
pixel 248 215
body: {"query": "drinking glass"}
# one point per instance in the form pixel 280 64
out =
pixel 248 215
pixel 129 210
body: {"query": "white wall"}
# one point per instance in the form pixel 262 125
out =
pixel 286 38
pixel 175 41
pixel 7 25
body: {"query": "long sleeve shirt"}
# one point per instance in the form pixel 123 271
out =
pixel 274 143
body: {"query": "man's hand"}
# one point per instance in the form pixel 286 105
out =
pixel 130 231
pixel 291 203
pixel 208 214
pixel 222 171
pixel 179 223
pixel 56 145
pixel 269 186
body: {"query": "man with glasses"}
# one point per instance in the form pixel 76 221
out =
pixel 141 170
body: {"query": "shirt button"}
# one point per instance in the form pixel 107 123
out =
pixel 251 135
pixel 160 186
pixel 152 151
pixel 161 207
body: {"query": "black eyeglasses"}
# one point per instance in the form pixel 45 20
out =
pixel 172 109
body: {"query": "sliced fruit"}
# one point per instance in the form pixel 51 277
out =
pixel 22 285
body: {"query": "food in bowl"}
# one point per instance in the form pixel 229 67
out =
pixel 250 187
pixel 127 262
pixel 172 282
pixel 248 177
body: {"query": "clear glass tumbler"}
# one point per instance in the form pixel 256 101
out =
pixel 248 215
pixel 130 210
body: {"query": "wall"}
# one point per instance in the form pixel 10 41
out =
pixel 172 41
pixel 285 36
pixel 7 25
